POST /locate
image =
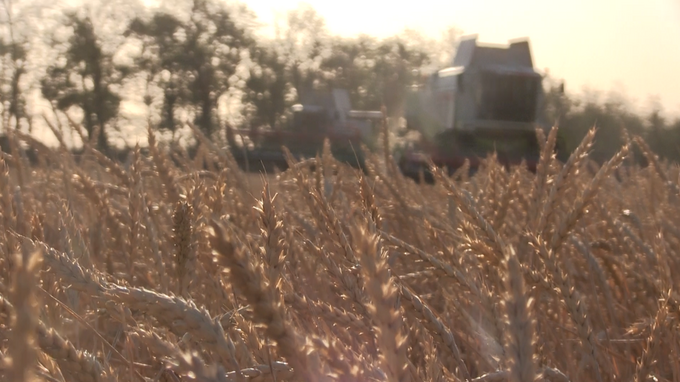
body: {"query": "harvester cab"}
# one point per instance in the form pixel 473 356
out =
pixel 487 101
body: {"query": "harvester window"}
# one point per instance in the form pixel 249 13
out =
pixel 508 97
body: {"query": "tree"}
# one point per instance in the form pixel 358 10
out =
pixel 192 60
pixel 85 77
pixel 374 72
pixel 12 62
pixel 351 65
pixel 162 48
pixel 267 89
pixel 396 66
pixel 302 43
pixel 440 52
pixel 577 115
pixel 13 59
pixel 662 138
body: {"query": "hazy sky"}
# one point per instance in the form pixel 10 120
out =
pixel 612 46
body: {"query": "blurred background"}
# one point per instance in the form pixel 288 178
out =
pixel 123 65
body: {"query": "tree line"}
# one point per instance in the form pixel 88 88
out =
pixel 198 60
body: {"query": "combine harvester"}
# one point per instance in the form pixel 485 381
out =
pixel 319 116
pixel 488 101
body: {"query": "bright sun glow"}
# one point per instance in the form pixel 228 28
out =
pixel 624 46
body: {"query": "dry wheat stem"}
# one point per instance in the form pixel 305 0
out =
pixel 323 272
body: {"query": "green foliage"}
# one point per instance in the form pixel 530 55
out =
pixel 162 50
pixel 376 73
pixel 395 65
pixel 85 78
pixel 191 56
pixel 267 88
pixel 576 116
pixel 191 60
pixel 302 44
pixel 12 69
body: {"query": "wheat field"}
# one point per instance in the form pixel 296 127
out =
pixel 171 268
